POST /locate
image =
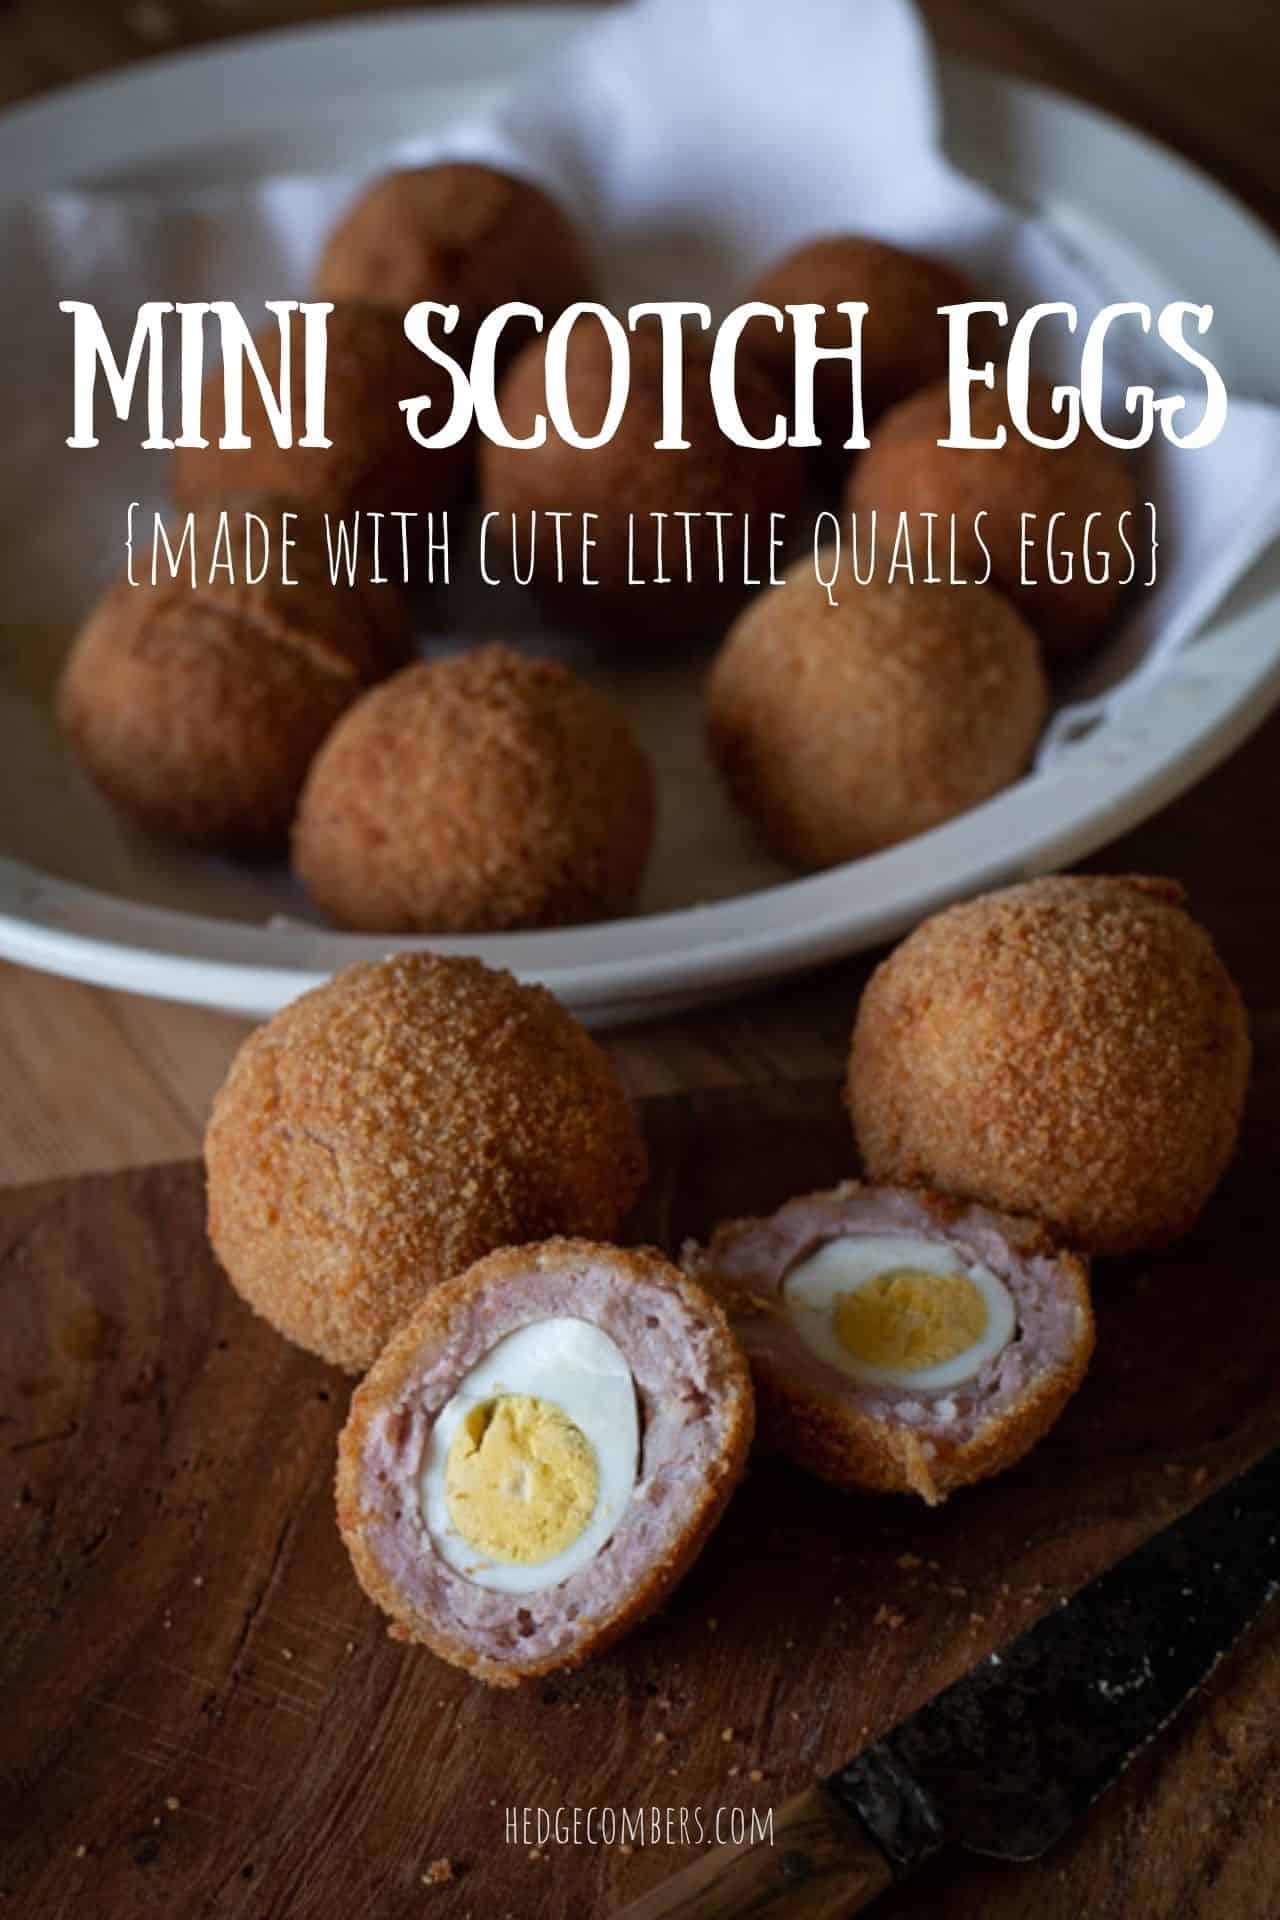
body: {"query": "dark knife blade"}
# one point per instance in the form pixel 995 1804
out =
pixel 1009 1757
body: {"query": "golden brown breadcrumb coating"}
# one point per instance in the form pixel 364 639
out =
pixel 372 462
pixel 628 476
pixel 905 471
pixel 395 1370
pixel 839 1437
pixel 389 1127
pixel 1072 1048
pixel 488 790
pixel 904 338
pixel 462 235
pixel 844 729
pixel 835 1440
pixel 197 710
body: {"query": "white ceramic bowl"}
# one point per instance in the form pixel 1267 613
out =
pixel 198 932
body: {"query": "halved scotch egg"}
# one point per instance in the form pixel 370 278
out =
pixel 540 1453
pixel 901 1341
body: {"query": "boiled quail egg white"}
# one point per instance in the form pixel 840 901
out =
pixel 897 1311
pixel 528 1468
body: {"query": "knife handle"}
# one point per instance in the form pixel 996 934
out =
pixel 821 1866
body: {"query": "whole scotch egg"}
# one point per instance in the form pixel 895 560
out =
pixel 197 708
pixel 480 791
pixel 388 1128
pixel 716 501
pixel 1072 1048
pixel 464 235
pixel 1015 512
pixel 904 336
pixel 367 460
pixel 845 726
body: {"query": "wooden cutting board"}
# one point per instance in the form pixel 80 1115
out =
pixel 200 1715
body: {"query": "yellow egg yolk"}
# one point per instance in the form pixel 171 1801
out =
pixel 910 1319
pixel 521 1480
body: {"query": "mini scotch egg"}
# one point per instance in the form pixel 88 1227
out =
pixel 540 1453
pixel 393 1125
pixel 900 1341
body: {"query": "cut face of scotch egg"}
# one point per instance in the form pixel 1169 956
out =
pixel 538 1455
pixel 529 1467
pixel 898 1311
pixel 900 1341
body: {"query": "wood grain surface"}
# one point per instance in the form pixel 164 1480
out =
pixel 200 1715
